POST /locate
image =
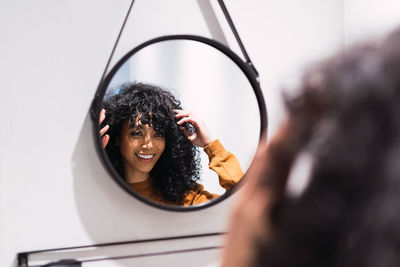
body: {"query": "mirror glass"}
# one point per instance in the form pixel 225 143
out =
pixel 221 102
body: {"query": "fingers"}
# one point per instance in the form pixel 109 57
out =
pixel 201 137
pixel 188 134
pixel 185 116
pixel 102 115
pixel 181 113
pixel 104 137
pixel 104 130
pixel 189 120
pixel 105 140
pixel 101 119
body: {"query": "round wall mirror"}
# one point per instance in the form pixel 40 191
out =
pixel 177 121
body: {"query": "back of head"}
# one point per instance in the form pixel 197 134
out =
pixel 347 117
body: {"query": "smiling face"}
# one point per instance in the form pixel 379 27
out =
pixel 141 146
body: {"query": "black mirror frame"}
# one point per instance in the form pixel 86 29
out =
pixel 101 90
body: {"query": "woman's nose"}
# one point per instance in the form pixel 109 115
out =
pixel 148 142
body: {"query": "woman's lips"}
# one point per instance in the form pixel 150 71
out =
pixel 145 157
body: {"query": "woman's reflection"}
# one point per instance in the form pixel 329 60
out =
pixel 152 143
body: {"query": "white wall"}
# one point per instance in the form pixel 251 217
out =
pixel 53 190
pixel 366 19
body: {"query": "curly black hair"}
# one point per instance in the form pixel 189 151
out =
pixel 347 115
pixel 177 170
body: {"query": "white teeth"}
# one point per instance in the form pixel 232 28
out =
pixel 143 156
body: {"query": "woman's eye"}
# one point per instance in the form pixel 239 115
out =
pixel 159 134
pixel 136 133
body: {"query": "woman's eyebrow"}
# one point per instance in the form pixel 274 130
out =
pixel 136 127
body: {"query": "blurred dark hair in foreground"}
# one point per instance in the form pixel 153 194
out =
pixel 347 117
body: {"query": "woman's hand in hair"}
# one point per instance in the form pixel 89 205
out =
pixel 201 135
pixel 104 137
